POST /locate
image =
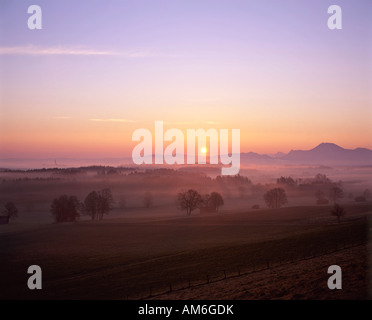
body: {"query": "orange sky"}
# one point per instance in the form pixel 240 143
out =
pixel 283 78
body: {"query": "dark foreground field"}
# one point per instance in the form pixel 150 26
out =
pixel 302 279
pixel 140 258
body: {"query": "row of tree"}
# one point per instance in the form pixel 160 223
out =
pixel 96 204
pixel 335 193
pixel 191 200
pixel 319 179
pixel 275 198
pixel 99 203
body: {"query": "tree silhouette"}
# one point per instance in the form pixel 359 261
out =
pixel 91 204
pixel 336 193
pixel 106 201
pixel 215 200
pixel 65 208
pixel 189 200
pixel 10 210
pixel 98 203
pixel 338 212
pixel 321 179
pixel 275 198
pixel 286 181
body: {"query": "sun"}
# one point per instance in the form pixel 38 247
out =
pixel 204 150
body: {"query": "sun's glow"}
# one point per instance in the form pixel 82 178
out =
pixel 204 150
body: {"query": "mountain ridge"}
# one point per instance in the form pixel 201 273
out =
pixel 323 154
pixel 330 152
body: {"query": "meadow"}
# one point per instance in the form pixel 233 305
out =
pixel 139 252
pixel 120 260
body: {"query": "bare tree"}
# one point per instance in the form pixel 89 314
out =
pixel 275 198
pixel 97 204
pixel 336 193
pixel 189 200
pixel 65 208
pixel 321 179
pixel 338 212
pixel 106 201
pixel 216 200
pixel 10 210
pixel 286 181
pixel 91 204
pixel 148 199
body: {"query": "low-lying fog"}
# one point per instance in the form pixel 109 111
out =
pixel 32 191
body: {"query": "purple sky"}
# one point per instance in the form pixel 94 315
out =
pixel 100 69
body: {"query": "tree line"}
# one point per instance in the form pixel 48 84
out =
pixel 191 200
pixel 96 204
pixel 99 203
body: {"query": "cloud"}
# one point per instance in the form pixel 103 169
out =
pixel 112 120
pixel 72 51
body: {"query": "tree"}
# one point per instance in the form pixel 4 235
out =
pixel 91 204
pixel 321 179
pixel 98 203
pixel 10 210
pixel 336 193
pixel 286 181
pixel 275 198
pixel 216 200
pixel 105 202
pixel 189 200
pixel 206 200
pixel 65 208
pixel 338 211
pixel 148 199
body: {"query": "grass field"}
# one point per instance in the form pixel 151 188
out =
pixel 119 259
pixel 301 279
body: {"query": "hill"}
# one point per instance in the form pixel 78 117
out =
pixel 330 153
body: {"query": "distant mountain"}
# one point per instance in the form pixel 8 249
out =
pixel 330 153
pixel 252 157
pixel 277 155
pixel 325 154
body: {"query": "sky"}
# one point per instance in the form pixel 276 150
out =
pixel 98 70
